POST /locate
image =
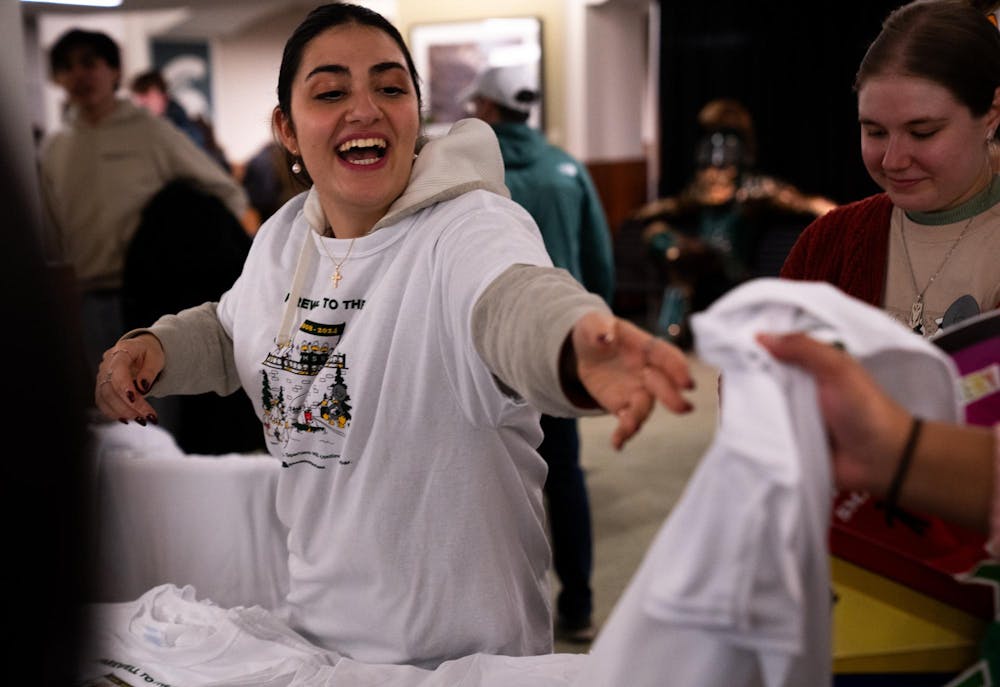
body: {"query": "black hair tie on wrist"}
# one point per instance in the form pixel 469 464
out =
pixel 892 495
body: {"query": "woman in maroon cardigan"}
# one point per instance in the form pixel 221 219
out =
pixel 927 250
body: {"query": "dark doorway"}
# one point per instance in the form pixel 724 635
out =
pixel 791 64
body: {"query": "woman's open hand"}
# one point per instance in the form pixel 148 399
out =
pixel 626 369
pixel 126 373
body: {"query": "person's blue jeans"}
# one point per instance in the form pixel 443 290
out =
pixel 101 319
pixel 569 519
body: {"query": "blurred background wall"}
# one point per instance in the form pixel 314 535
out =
pixel 623 79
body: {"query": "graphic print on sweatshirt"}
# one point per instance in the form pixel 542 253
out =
pixel 305 397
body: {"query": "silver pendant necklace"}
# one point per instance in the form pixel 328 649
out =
pixel 336 277
pixel 917 308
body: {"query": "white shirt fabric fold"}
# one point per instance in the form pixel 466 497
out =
pixel 735 589
pixel 169 637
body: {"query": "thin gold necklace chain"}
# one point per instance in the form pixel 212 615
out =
pixel 918 302
pixel 337 276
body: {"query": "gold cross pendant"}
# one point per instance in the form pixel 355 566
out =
pixel 335 277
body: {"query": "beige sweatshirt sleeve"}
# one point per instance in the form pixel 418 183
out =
pixel 199 353
pixel 191 162
pixel 519 325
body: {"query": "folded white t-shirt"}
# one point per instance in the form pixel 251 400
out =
pixel 168 637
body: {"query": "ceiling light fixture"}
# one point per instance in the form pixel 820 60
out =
pixel 84 3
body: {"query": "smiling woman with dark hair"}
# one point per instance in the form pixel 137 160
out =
pixel 398 328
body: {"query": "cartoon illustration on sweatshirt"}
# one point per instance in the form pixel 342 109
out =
pixel 305 398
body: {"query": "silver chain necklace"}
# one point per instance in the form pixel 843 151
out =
pixel 917 309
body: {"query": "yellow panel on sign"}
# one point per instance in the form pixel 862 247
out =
pixel 880 626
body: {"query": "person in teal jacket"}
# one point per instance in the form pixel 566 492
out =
pixel 558 193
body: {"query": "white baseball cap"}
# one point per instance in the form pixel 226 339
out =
pixel 514 86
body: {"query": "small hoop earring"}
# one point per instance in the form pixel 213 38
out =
pixel 296 167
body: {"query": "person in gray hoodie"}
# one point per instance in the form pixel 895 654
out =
pixel 101 168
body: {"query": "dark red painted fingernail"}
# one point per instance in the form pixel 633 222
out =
pixel 144 385
pixel 131 396
pixel 141 421
pixel 123 421
pixel 152 418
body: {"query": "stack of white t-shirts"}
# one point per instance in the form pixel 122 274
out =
pixel 163 516
pixel 476 670
pixel 170 638
pixel 167 637
pixel 735 589
pixel 117 439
